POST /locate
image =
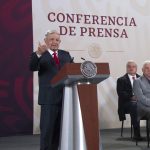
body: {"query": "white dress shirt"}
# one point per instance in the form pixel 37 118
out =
pixel 50 51
pixel 131 78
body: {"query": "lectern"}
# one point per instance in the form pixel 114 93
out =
pixel 80 125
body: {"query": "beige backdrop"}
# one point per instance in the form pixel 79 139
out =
pixel 116 51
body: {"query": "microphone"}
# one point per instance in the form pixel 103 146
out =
pixel 83 58
pixel 72 58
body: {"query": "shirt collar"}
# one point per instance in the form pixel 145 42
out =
pixel 51 52
pixel 130 76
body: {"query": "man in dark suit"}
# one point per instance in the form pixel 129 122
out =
pixel 127 102
pixel 47 60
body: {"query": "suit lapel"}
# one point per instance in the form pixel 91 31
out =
pixel 128 80
pixel 50 59
pixel 60 56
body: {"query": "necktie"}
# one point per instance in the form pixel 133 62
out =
pixel 133 78
pixel 56 59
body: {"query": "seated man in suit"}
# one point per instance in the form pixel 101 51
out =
pixel 141 89
pixel 47 60
pixel 126 100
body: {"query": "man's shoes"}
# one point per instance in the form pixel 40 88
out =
pixel 138 138
pixel 137 135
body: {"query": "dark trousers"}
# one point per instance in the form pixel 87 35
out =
pixel 50 127
pixel 131 108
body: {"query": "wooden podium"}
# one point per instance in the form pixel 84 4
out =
pixel 84 118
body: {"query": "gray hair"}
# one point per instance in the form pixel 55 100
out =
pixel 130 61
pixel 48 32
pixel 146 63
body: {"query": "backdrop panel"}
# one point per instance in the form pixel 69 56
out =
pixel 100 31
pixel 16 92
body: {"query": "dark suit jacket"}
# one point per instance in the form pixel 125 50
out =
pixel 125 92
pixel 47 69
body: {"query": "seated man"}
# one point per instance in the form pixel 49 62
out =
pixel 126 100
pixel 141 89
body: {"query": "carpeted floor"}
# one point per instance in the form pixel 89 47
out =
pixel 111 140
